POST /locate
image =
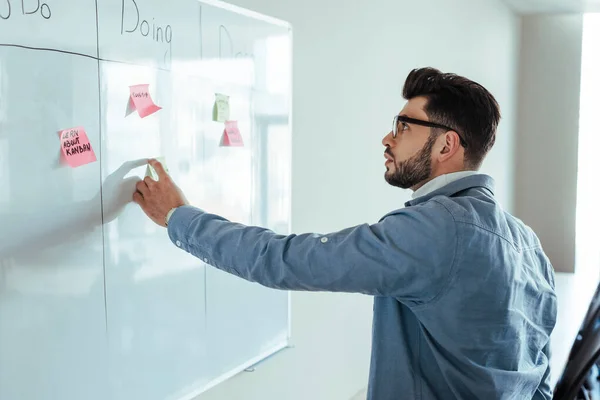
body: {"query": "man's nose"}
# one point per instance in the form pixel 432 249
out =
pixel 387 139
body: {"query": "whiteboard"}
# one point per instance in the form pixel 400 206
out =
pixel 95 301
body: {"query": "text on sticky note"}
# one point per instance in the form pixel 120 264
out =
pixel 76 147
pixel 141 100
pixel 231 135
pixel 221 108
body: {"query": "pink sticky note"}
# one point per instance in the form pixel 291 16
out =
pixel 140 100
pixel 231 135
pixel 76 147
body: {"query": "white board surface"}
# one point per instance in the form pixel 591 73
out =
pixel 95 302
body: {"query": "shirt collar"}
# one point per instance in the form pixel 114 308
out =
pixel 440 181
pixel 451 185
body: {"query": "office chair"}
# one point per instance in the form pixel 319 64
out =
pixel 592 316
pixel 580 378
pixel 593 313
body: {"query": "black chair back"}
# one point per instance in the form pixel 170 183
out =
pixel 581 371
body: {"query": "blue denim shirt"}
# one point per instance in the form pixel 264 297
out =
pixel 464 294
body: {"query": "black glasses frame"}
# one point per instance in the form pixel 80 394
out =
pixel 408 120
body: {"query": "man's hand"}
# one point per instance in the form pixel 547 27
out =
pixel 157 198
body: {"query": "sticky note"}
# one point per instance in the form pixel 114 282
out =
pixel 151 172
pixel 231 135
pixel 140 100
pixel 76 147
pixel 221 108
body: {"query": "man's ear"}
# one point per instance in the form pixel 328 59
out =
pixel 445 149
pixel 450 143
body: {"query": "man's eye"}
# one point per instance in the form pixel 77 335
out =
pixel 404 126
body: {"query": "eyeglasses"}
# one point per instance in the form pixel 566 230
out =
pixel 401 118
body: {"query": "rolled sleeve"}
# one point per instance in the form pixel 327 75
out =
pixel 408 254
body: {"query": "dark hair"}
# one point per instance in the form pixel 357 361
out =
pixel 459 103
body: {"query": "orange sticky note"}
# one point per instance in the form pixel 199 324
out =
pixel 140 100
pixel 231 135
pixel 76 147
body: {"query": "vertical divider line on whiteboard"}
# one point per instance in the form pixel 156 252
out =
pixel 100 162
pixel 203 159
pixel 201 43
pixel 291 172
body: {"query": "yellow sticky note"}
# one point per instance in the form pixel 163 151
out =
pixel 221 108
pixel 152 173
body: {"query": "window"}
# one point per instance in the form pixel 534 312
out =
pixel 588 184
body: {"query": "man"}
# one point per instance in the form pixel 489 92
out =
pixel 465 300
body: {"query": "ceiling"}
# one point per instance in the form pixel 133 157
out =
pixel 553 6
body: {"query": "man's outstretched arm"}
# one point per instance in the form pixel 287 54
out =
pixel 408 254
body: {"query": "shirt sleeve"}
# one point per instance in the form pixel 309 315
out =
pixel 408 254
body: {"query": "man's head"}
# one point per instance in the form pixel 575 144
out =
pixel 447 125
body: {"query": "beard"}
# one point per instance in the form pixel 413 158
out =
pixel 413 171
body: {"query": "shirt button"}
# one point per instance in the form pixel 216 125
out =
pixel 324 240
pixel 178 243
pixel 206 260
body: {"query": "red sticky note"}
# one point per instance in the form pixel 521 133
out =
pixel 76 147
pixel 231 135
pixel 140 100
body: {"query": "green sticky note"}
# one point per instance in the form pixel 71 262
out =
pixel 152 173
pixel 221 108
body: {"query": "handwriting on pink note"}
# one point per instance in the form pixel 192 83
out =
pixel 140 100
pixel 231 135
pixel 76 147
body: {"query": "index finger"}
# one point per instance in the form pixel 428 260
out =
pixel 158 167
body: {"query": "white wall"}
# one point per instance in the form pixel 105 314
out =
pixel 350 61
pixel 548 128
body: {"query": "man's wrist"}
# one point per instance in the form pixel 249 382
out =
pixel 169 214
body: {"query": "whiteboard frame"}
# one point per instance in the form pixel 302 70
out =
pixel 192 394
pixel 247 13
